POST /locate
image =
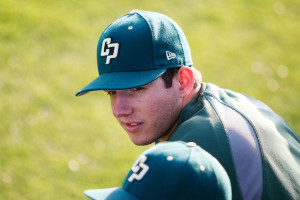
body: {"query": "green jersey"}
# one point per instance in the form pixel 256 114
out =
pixel 258 149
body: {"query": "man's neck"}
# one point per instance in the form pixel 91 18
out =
pixel 187 100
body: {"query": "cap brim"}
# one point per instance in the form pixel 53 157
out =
pixel 121 80
pixel 116 193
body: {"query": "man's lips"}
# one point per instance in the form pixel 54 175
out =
pixel 132 126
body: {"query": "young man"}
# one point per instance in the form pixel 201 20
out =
pixel 145 65
pixel 171 171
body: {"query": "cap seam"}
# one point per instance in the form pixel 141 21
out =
pixel 185 171
pixel 184 60
pixel 152 43
pixel 215 178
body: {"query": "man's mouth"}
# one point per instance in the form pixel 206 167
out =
pixel 132 126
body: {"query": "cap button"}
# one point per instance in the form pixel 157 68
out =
pixel 133 11
pixel 191 144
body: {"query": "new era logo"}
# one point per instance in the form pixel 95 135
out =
pixel 170 55
pixel 109 49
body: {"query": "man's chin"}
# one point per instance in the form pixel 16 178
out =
pixel 141 141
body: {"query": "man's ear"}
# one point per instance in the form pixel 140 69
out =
pixel 186 80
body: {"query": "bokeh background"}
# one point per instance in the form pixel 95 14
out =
pixel 55 145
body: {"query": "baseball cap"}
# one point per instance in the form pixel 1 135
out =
pixel 136 49
pixel 171 170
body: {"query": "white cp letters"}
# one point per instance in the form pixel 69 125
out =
pixel 139 169
pixel 107 46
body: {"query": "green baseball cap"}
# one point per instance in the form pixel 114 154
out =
pixel 136 49
pixel 171 170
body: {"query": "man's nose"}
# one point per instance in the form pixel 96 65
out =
pixel 121 105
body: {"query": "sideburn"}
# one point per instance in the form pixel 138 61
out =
pixel 169 75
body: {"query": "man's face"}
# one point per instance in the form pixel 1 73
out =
pixel 147 113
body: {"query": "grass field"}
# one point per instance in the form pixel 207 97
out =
pixel 54 145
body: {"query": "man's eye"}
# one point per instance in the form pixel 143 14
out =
pixel 110 92
pixel 137 89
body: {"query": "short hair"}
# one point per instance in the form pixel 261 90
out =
pixel 169 75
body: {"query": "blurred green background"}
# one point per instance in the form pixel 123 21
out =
pixel 55 145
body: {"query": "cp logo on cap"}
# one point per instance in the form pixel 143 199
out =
pixel 139 169
pixel 109 49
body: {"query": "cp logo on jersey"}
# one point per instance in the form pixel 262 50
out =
pixel 109 49
pixel 139 169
